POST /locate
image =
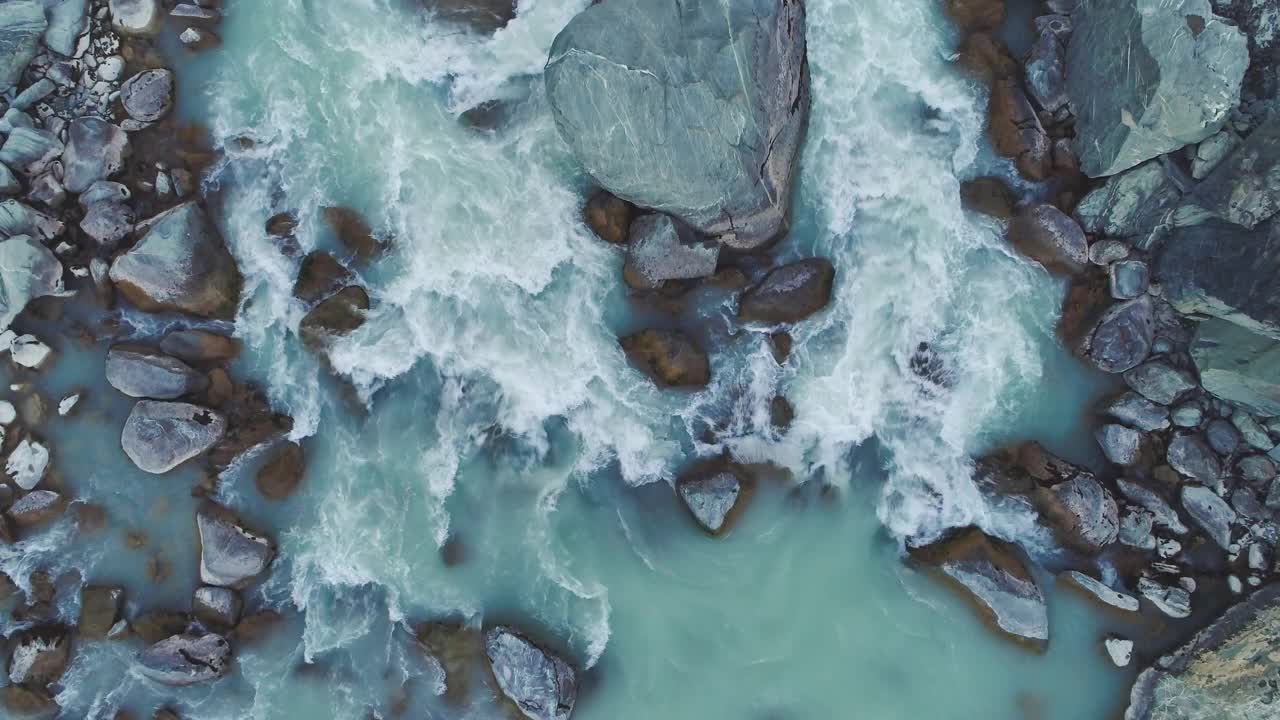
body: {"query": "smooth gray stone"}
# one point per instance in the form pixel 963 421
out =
pixel 1137 204
pixel 1048 236
pixel 28 270
pixel 1123 336
pixel 29 150
pixel 1135 529
pixel 1128 279
pixel 1210 512
pixel 159 436
pixel 22 23
pixel 95 151
pixel 541 684
pixel 1187 415
pixel 180 265
pixel 1143 81
pixel 1222 436
pixel 104 191
pixel 1245 188
pixel 1105 252
pixel 142 373
pixel 1221 270
pixel 1122 445
pixel 1136 411
pixel 230 555
pixel 34 93
pixel 710 498
pixel 136 17
pixel 1225 671
pixel 68 20
pixel 696 109
pixel 1160 382
pixel 148 96
pixel 1238 366
pixel 1101 592
pixel 663 248
pixel 9 184
pixel 1045 70
pixel 186 659
pixel 1191 456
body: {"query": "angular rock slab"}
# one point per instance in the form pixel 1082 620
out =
pixel 230 555
pixel 22 23
pixel 28 270
pixel 1245 188
pixel 180 265
pixel 1228 671
pixel 1224 271
pixel 710 497
pixel 1238 366
pixel 540 683
pixel 159 436
pixel 1147 77
pixel 186 659
pixel 664 248
pixel 696 109
pixel 95 151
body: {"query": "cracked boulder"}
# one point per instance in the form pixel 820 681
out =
pixel 186 659
pixel 159 436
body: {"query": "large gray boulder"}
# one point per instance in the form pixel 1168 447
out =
pixel 186 659
pixel 1122 337
pixel 1228 671
pixel 180 265
pixel 1160 382
pixel 1147 77
pixel 693 108
pixel 995 576
pixel 1190 455
pixel 159 436
pixel 68 20
pixel 27 271
pixel 1244 189
pixel 22 23
pixel 663 248
pixel 1238 366
pixel 1137 205
pixel 1222 270
pixel 539 682
pixel 230 555
pixel 143 373
pixel 95 151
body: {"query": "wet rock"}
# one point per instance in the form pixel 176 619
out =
pixel 186 659
pixel 27 702
pixel 996 576
pixel 481 15
pixel 1243 189
pixel 319 276
pixel 1129 279
pixel 609 217
pixel 140 372
pixel 159 436
pixel 100 608
pixel 1187 415
pixel 281 474
pixel 975 15
pixel 1137 205
pixel 1136 411
pixel 352 231
pixel 1015 131
pixel 39 656
pixel 1222 436
pixel 1220 270
pixel 989 196
pixel 1228 670
pixel 1044 234
pixel 282 224
pixel 37 508
pixel 1191 456
pixel 1136 527
pixel 1174 72
pixel 986 58
pixel 230 555
pixel 1238 366
pixel 27 271
pixel 108 222
pixel 1100 592
pixel 22 23
pixel 19 219
pixel 180 265
pixel 217 607
pixel 340 314
pixel 68 20
pixel 789 293
pixel 1172 601
pixel 669 357
pixel 148 96
pixel 540 683
pixel 1045 70
pixel 95 150
pixel 1122 445
pixel 664 248
pixel 29 352
pixel 1122 338
pixel 711 496
pixel 1160 382
pixel 198 39
pixel 1251 431
pixel 136 17
pixel 615 60
pixel 1084 515
pixel 1210 512
pixel 155 626
pixel 200 346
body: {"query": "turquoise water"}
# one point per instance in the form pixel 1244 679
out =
pixel 492 408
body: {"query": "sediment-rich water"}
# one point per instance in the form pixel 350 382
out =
pixel 493 407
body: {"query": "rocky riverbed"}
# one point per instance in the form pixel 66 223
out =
pixel 561 384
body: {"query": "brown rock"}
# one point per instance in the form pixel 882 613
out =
pixel 609 217
pixel 253 628
pixel 781 413
pixel 1050 237
pixel 337 316
pixel 155 626
pixel 27 702
pixel 987 59
pixel 974 15
pixel 1015 131
pixel 989 196
pixel 319 276
pixel 352 231
pixel 780 345
pixel 220 389
pixel 669 357
pixel 282 224
pixel 99 609
pixel 200 346
pixel 282 472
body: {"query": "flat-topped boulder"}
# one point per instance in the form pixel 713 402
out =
pixel 28 270
pixel 696 109
pixel 1122 337
pixel 230 555
pixel 1238 366
pixel 789 293
pixel 1228 671
pixel 141 372
pixel 180 265
pixel 1242 189
pixel 186 659
pixel 541 684
pixel 480 15
pixel 159 436
pixel 994 574
pixel 1172 72
pixel 1222 270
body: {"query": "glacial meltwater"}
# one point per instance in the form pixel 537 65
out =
pixel 481 451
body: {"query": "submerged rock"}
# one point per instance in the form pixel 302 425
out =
pixel 663 248
pixel 481 15
pixel 1173 72
pixel 540 683
pixel 200 346
pixel 39 656
pixel 180 265
pixel 187 659
pixel 340 314
pixel 989 196
pixel 1230 670
pixel 159 436
pixel 319 276
pixel 995 575
pixel 1101 592
pixel 790 293
pixel 711 496
pixel 230 555
pixel 669 357
pixel 27 271
pixel 352 231
pixel 280 475
pixel 140 372
pixel 99 610
pixel 642 93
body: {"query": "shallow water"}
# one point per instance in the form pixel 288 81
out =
pixel 493 409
